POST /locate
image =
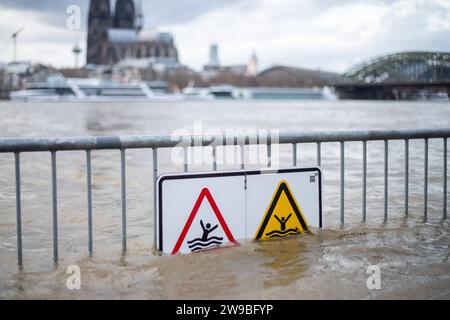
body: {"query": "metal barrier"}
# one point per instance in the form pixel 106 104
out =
pixel 87 144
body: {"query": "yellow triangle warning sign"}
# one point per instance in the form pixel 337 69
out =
pixel 283 216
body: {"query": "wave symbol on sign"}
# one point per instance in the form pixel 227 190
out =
pixel 205 242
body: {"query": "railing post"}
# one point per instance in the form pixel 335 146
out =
pixel 342 181
pixel 444 214
pixel 18 211
pixel 185 156
pixel 425 180
pixel 364 191
pixel 406 177
pixel 243 157
pixel 386 178
pixel 294 154
pixel 55 208
pixel 124 200
pixel 319 154
pixel 89 200
pixel 155 178
pixel 214 154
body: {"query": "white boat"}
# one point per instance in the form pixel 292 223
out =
pixel 44 94
pixel 224 92
pixel 425 95
pixel 267 93
pixel 438 96
pixel 193 93
pixel 75 89
pixel 210 93
pixel 257 93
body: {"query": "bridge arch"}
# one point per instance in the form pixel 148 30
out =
pixel 418 66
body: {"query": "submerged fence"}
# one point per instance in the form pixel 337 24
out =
pixel 88 144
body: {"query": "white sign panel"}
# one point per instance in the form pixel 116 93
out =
pixel 199 211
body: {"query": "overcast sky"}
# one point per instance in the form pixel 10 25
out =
pixel 327 34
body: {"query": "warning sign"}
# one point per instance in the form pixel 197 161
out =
pixel 209 237
pixel 283 216
pixel 203 210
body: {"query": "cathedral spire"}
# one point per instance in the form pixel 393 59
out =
pixel 139 16
pixel 99 9
pixel 124 14
pixel 98 23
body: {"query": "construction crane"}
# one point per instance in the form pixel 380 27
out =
pixel 14 38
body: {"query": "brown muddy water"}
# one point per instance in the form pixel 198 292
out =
pixel 412 254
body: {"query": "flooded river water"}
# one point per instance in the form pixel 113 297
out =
pixel 412 254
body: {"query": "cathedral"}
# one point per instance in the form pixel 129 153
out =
pixel 114 35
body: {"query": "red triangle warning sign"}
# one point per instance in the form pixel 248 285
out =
pixel 209 235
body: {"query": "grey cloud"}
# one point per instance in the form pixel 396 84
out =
pixel 179 12
pixel 51 12
pixel 156 12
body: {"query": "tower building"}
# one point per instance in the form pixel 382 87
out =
pixel 99 21
pixel 214 55
pixel 124 14
pixel 116 35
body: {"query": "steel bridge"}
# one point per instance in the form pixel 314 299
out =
pixel 398 76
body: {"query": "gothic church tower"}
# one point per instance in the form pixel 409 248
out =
pixel 124 14
pixel 115 37
pixel 98 24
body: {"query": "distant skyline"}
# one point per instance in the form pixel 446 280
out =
pixel 330 35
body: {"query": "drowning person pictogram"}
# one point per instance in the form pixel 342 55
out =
pixel 205 242
pixel 282 232
pixel 283 215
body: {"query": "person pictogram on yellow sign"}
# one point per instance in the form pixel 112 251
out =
pixel 289 218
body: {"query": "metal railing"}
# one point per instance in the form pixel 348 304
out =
pixel 88 144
